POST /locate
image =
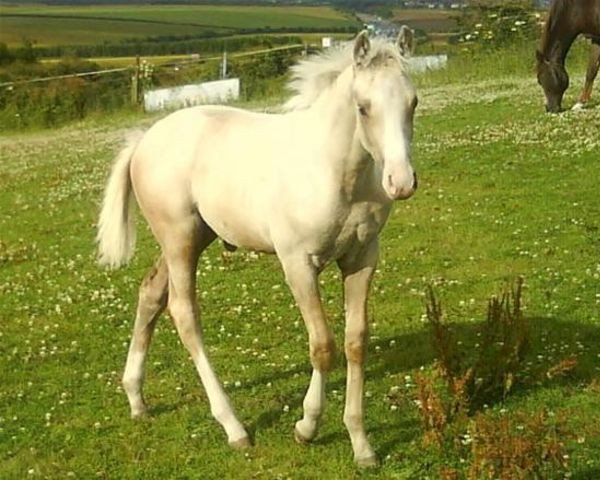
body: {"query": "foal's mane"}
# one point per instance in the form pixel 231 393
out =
pixel 310 77
pixel 555 14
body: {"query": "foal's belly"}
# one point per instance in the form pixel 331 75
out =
pixel 237 229
pixel 235 219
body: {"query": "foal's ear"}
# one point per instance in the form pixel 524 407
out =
pixel 362 45
pixel 406 41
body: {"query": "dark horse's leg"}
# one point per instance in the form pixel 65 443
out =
pixel 592 71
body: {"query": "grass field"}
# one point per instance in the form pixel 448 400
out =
pixel 505 190
pixel 58 25
pixel 431 21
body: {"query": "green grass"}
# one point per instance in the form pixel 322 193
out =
pixel 63 25
pixel 505 190
pixel 469 63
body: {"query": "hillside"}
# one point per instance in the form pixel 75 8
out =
pixel 76 25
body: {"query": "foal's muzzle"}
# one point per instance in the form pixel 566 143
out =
pixel 396 192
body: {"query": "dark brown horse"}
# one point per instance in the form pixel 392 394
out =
pixel 566 20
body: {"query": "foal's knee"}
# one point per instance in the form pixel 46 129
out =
pixel 322 354
pixel 356 347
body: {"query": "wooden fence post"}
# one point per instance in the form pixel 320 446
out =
pixel 136 90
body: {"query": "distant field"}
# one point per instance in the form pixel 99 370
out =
pixel 60 25
pixel 46 31
pixel 439 21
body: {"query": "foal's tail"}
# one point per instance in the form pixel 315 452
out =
pixel 116 229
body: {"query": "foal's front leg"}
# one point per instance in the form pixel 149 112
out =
pixel 303 281
pixel 357 273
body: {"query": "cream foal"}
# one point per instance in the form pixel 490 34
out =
pixel 312 185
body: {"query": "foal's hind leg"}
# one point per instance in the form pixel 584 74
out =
pixel 302 279
pixel 182 244
pixel 152 302
pixel 590 76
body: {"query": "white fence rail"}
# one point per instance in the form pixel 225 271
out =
pixel 424 63
pixel 219 91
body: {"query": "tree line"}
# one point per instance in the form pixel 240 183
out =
pixel 208 42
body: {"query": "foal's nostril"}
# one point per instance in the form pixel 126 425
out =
pixel 415 181
pixel 390 181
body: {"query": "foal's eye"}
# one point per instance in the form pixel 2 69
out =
pixel 362 110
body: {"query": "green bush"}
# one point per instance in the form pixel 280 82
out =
pixel 54 102
pixel 51 103
pixel 202 44
pixel 263 76
pixel 498 26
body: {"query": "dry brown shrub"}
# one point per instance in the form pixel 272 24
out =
pixel 526 447
pixel 449 473
pixel 434 412
pixel 449 397
pixel 594 385
pixel 505 341
pixel 562 368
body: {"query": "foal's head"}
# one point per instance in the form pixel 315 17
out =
pixel 385 102
pixel 554 79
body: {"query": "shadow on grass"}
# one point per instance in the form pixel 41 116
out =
pixel 551 341
pixel 589 474
pixel 165 408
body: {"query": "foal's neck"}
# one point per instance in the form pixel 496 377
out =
pixel 335 111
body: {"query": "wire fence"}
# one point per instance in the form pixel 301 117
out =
pixel 63 77
pixel 140 62
pixel 55 99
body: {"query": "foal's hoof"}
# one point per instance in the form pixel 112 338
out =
pixel 367 462
pixel 241 443
pixel 302 438
pixel 578 106
pixel 140 414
